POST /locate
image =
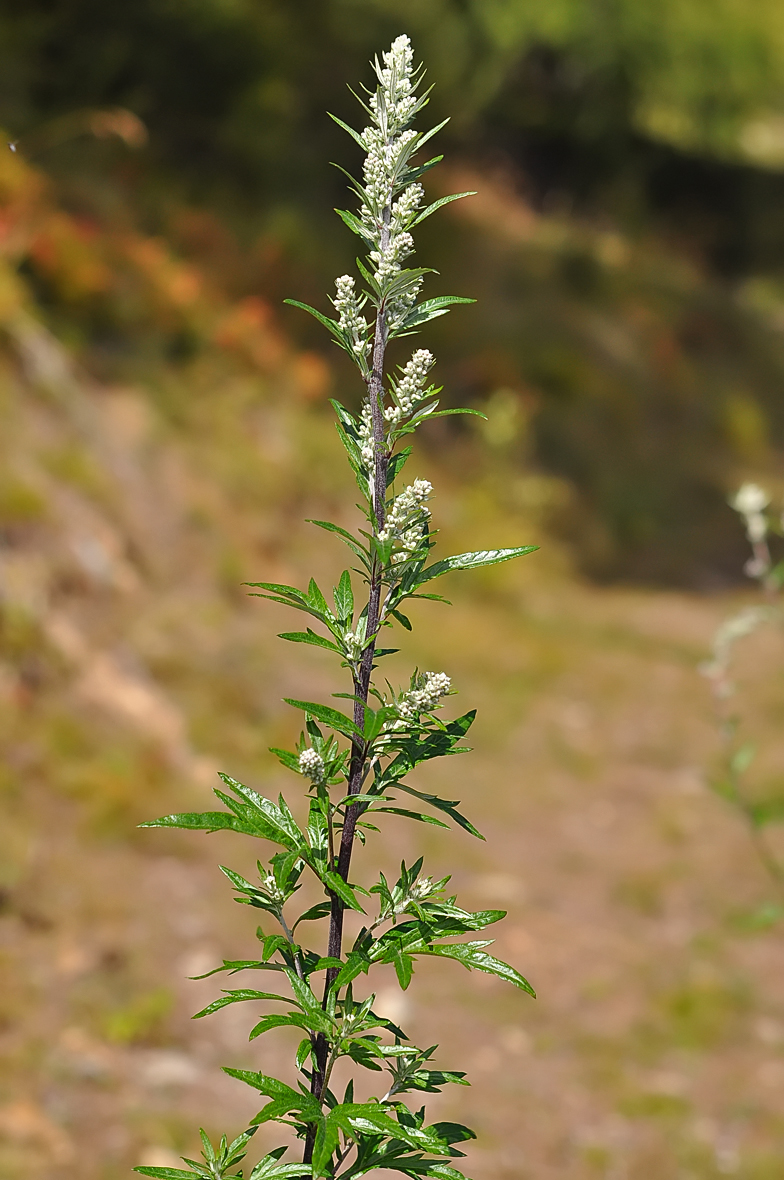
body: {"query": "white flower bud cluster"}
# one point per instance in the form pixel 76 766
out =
pixel 367 445
pixel 388 261
pixel 430 687
pixel 389 143
pixel 410 387
pixel 420 890
pixel 380 169
pixel 272 890
pixel 351 319
pixel 396 103
pixel 406 519
pixel 405 207
pixel 398 308
pixel 750 502
pixel 738 627
pixel 354 644
pixel 311 765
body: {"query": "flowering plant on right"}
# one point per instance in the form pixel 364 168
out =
pixel 753 505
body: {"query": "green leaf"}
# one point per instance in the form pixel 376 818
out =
pixel 309 1021
pixel 314 914
pixel 269 1168
pixel 273 822
pixel 317 599
pixel 471 561
pixel 337 885
pixel 235 965
pixel 353 544
pixel 425 819
pixel 287 596
pixel 415 173
pixel 309 637
pixel 423 138
pixel 331 717
pixel 375 720
pixel 354 134
pixel 304 993
pixel 430 309
pixel 344 598
pixel 396 464
pixel 355 462
pixel 282 1095
pixel 326 964
pixel 330 325
pixel 474 958
pixel 288 758
pixel 453 1132
pixel 355 225
pixel 439 205
pixel 279 589
pixel 371 1118
pixel 208 821
pixel 350 800
pixel 166 1173
pixel 457 410
pixel 404 968
pixel 304 1052
pixel 237 997
pixel 327 1139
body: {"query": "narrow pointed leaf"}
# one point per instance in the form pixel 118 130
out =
pixel 439 205
pixel 474 958
pixel 354 134
pixel 309 637
pixel 207 821
pixel 331 717
pixel 472 561
pixel 237 997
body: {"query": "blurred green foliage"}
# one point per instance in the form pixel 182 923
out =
pixel 636 327
pixel 234 92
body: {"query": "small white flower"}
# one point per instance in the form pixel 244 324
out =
pixel 351 320
pixel 428 690
pixel 311 765
pixel 367 445
pixel 406 206
pixel 388 261
pixel 410 388
pixel 354 645
pixel 406 520
pixel 270 887
pixel 750 499
pixel 421 889
pixel 755 567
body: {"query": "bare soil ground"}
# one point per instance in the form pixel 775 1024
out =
pixel 133 667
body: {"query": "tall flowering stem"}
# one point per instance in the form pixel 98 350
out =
pixel 752 503
pixel 355 765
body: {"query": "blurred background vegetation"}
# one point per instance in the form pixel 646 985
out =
pixel 163 432
pixel 636 317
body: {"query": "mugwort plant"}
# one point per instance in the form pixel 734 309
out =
pixel 753 505
pixel 355 764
